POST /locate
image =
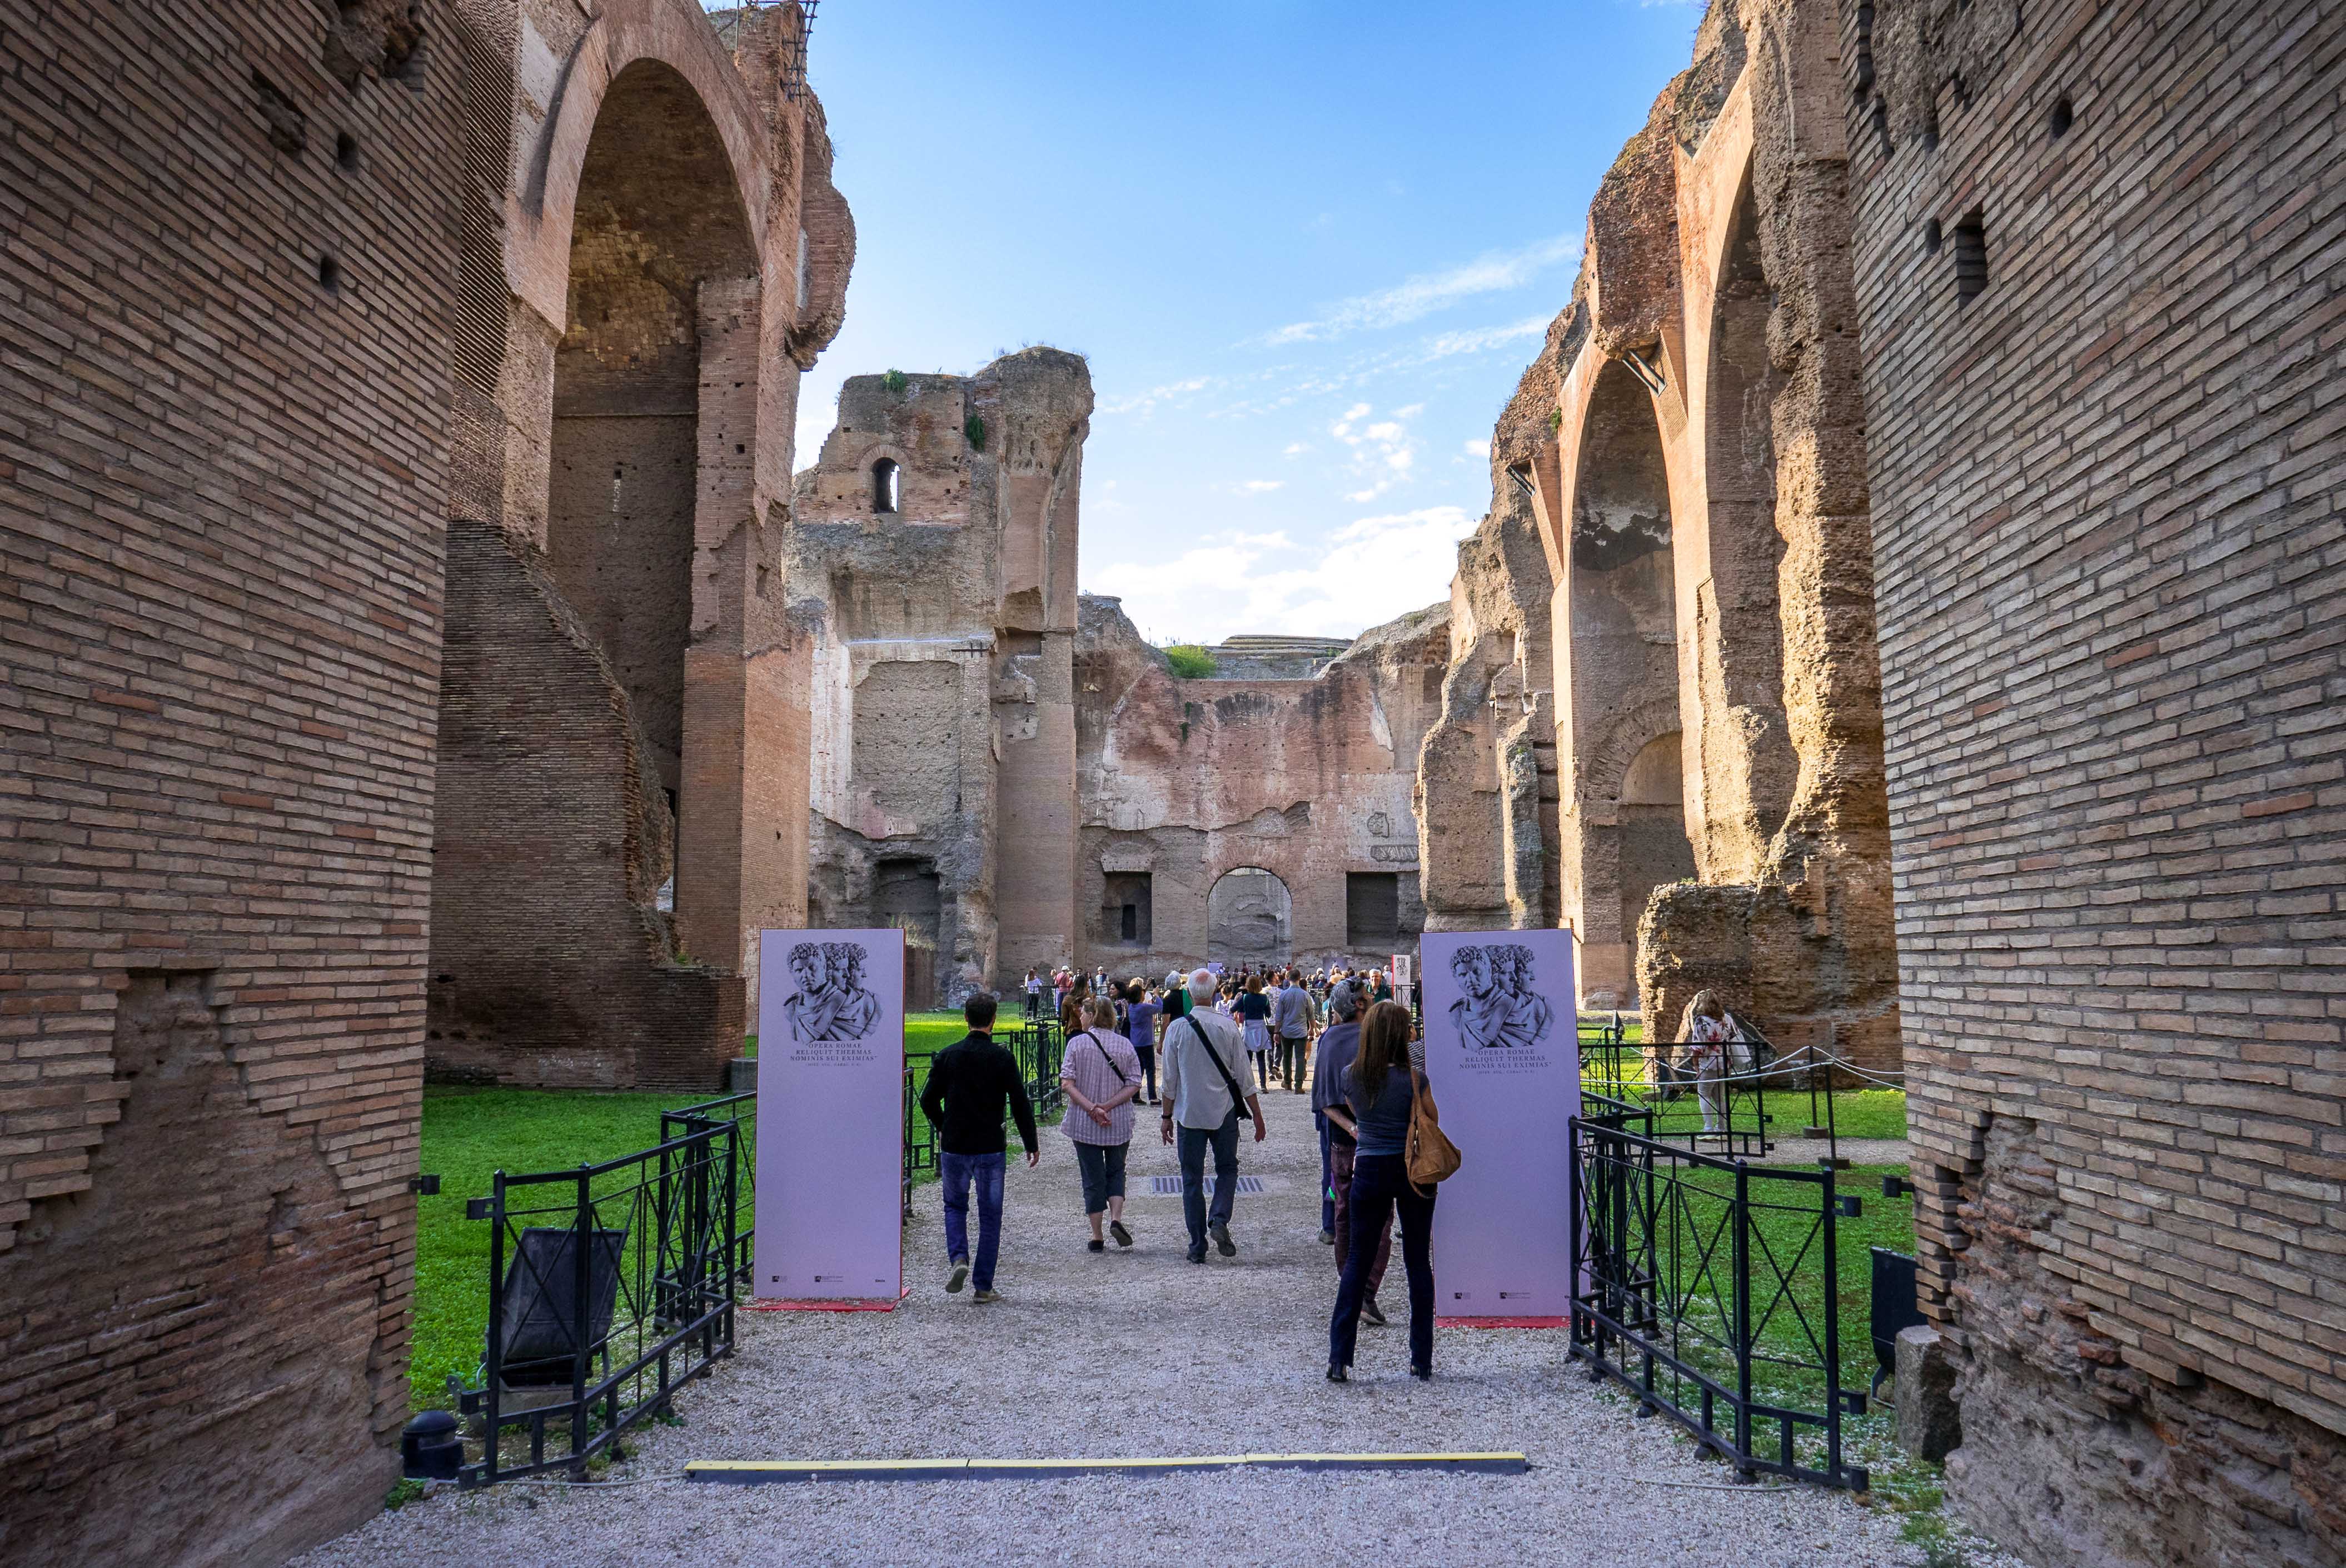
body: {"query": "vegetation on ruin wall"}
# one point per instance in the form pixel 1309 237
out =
pixel 1192 662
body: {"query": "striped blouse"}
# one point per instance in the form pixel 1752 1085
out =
pixel 1100 1065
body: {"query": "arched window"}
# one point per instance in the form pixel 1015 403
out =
pixel 887 485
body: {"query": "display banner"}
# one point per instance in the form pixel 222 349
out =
pixel 1503 1054
pixel 830 1116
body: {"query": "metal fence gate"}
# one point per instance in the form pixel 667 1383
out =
pixel 1709 1289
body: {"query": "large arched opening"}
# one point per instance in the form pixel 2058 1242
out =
pixel 1624 668
pixel 1249 919
pixel 588 836
pixel 1651 815
pixel 1744 745
pixel 661 258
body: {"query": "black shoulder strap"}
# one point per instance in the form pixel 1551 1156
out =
pixel 1099 1043
pixel 1228 1081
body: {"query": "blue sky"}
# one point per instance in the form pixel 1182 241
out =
pixel 1307 247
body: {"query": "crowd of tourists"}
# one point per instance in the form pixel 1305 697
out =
pixel 1202 1048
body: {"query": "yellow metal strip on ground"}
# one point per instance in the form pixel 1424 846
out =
pixel 756 1472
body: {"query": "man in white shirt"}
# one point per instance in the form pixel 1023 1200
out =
pixel 1205 1060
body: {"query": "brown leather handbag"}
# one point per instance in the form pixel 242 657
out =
pixel 1432 1156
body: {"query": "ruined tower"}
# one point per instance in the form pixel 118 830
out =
pixel 934 558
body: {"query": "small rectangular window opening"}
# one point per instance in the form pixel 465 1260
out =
pixel 1970 256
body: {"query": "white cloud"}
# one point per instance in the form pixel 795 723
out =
pixel 1481 340
pixel 1371 570
pixel 1495 271
pixel 1295 449
pixel 1481 448
pixel 1144 402
pixel 1257 486
pixel 1383 453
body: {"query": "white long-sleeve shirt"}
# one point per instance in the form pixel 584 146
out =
pixel 1192 1087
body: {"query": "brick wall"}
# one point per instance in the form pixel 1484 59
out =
pixel 2098 259
pixel 222 468
pixel 567 975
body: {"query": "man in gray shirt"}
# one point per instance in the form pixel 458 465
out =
pixel 1292 1015
pixel 1204 1057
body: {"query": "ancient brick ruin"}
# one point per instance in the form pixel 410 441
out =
pixel 934 560
pixel 2096 257
pixel 321 685
pixel 1009 773
pixel 403 676
pixel 1688 454
pixel 1260 818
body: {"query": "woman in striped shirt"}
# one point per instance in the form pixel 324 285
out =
pixel 1100 1076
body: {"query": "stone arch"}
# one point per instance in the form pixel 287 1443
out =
pixel 1745 763
pixel 1249 917
pixel 661 259
pixel 624 34
pixel 1622 609
pixel 592 858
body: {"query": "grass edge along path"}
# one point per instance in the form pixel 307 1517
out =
pixel 469 1133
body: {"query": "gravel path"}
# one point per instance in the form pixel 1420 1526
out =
pixel 1142 1353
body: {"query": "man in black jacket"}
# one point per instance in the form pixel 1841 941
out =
pixel 969 1083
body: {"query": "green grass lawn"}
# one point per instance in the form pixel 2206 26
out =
pixel 470 1134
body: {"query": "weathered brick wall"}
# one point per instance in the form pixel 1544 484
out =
pixel 2098 258
pixel 223 470
pixel 1189 781
pixel 567 976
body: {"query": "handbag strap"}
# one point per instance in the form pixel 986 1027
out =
pixel 1100 1046
pixel 1228 1081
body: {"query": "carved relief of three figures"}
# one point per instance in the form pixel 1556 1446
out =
pixel 1499 1008
pixel 831 1001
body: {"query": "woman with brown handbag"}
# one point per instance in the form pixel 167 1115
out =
pixel 1387 1096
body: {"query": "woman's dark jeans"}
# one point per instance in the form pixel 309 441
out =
pixel 1380 1184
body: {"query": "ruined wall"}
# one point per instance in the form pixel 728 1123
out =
pixel 2095 251
pixel 942 724
pixel 651 250
pixel 223 466
pixel 1703 505
pixel 1185 781
pixel 1486 796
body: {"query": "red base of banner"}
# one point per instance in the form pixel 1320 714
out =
pixel 833 1304
pixel 1501 1322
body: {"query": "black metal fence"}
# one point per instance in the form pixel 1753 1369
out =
pixel 738 1112
pixel 609 1286
pixel 1735 1122
pixel 1709 1289
pixel 1041 1045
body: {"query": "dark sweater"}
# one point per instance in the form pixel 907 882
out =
pixel 969 1083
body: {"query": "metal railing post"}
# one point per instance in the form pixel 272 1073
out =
pixel 1742 1223
pixel 495 1364
pixel 580 1273
pixel 1832 1327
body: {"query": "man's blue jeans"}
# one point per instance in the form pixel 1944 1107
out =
pixel 959 1173
pixel 1192 1148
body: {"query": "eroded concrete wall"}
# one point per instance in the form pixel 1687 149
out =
pixel 943 723
pixel 1703 503
pixel 2094 253
pixel 1184 782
